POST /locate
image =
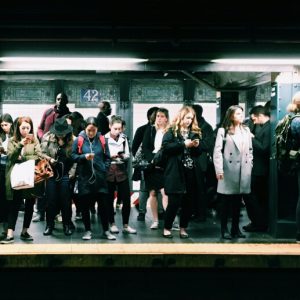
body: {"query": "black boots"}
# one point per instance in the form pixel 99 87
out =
pixel 67 230
pixel 237 234
pixel 48 230
pixel 233 235
pixel 225 234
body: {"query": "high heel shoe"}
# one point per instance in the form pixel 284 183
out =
pixel 167 235
pixel 183 235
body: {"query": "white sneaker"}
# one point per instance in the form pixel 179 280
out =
pixel 154 225
pixel 175 227
pixel 87 235
pixel 128 229
pixel 109 236
pixel 114 229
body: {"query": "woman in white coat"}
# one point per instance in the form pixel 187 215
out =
pixel 233 165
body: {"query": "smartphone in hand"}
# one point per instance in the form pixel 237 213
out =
pixel 29 136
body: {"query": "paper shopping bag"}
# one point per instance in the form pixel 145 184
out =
pixel 22 175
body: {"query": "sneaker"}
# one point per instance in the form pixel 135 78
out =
pixel 154 225
pixel 8 240
pixel 109 236
pixel 87 235
pixel 38 218
pixel 26 237
pixel 114 229
pixel 175 226
pixel 128 229
pixel 141 217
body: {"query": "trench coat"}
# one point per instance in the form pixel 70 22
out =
pixel 234 161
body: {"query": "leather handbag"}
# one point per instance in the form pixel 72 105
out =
pixel 42 171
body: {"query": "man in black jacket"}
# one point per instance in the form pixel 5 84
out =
pixel 257 201
pixel 102 118
pixel 203 164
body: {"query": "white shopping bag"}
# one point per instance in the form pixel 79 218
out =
pixel 22 175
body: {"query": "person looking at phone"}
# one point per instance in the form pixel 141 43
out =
pixel 6 132
pixel 57 147
pixel 181 146
pixel 21 147
pixel 117 176
pixel 93 161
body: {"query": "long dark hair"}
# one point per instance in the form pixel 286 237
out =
pixel 8 119
pixel 228 123
pixel 68 140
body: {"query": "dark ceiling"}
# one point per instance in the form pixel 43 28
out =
pixel 176 36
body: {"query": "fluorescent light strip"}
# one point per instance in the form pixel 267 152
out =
pixel 260 61
pixel 74 59
pixel 68 63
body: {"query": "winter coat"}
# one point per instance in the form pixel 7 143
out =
pixel 174 171
pixel 235 162
pixel 31 151
pixel 91 173
pixel 206 145
pixel 261 149
pixel 103 123
pixel 50 149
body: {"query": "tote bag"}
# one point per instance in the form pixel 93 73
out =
pixel 22 175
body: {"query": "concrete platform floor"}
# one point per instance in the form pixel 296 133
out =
pixel 199 232
pixel 147 248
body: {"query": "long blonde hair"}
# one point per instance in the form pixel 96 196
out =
pixel 177 122
pixel 295 105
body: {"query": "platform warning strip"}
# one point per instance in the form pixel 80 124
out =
pixel 150 255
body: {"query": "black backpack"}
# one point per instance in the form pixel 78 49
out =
pixel 287 156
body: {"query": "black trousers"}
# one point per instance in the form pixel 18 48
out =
pixel 13 211
pixel 58 198
pixel 124 194
pixel 227 203
pixel 85 203
pixel 257 202
pixel 3 201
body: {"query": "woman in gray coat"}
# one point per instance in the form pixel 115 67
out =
pixel 233 165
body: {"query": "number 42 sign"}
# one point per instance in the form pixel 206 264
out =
pixel 89 96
